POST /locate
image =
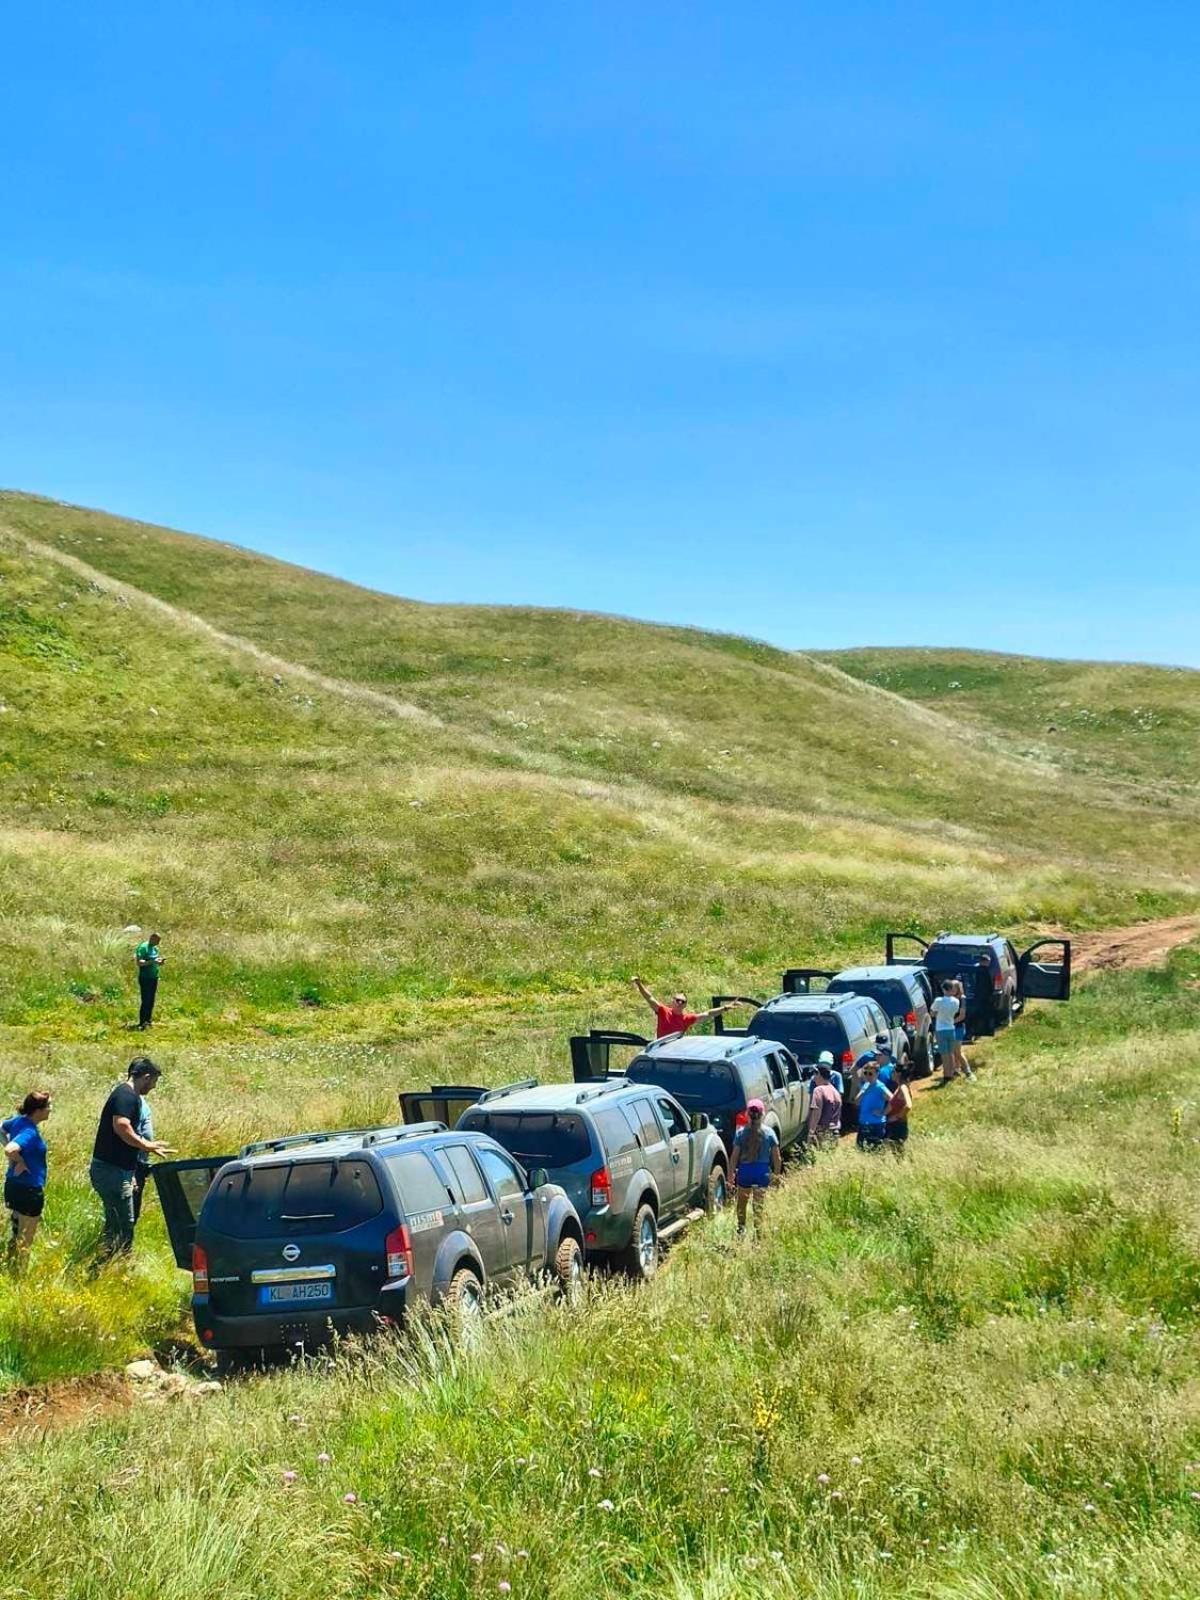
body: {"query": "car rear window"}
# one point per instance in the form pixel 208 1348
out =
pixel 954 957
pixel 293 1199
pixel 615 1133
pixel 466 1174
pixel 889 993
pixel 805 1034
pixel 536 1138
pixel 695 1083
pixel 420 1185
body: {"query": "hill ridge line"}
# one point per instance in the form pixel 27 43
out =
pixel 229 641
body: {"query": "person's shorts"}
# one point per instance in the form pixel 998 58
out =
pixel 871 1134
pixel 897 1132
pixel 960 1031
pixel 26 1199
pixel 945 1042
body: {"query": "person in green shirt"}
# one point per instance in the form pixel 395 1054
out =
pixel 148 962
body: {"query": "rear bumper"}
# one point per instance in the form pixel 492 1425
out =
pixel 314 1326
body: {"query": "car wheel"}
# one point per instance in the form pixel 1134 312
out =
pixel 464 1300
pixel 641 1259
pixel 568 1269
pixel 1009 1010
pixel 716 1191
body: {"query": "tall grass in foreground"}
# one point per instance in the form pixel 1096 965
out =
pixel 969 1373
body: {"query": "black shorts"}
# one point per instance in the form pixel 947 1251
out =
pixel 24 1198
pixel 870 1135
pixel 897 1132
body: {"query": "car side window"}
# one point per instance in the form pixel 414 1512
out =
pixel 420 1185
pixel 674 1118
pixel 465 1174
pixel 774 1071
pixel 645 1123
pixel 791 1067
pixel 616 1136
pixel 502 1174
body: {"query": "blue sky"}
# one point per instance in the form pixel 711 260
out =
pixel 829 323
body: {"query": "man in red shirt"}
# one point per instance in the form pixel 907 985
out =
pixel 675 1018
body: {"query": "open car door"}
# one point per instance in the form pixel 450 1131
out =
pixel 182 1186
pixel 719 1023
pixel 894 960
pixel 806 980
pixel 590 1053
pixel 1045 977
pixel 444 1102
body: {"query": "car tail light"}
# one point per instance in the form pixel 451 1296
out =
pixel 399 1253
pixel 740 1120
pixel 601 1185
pixel 199 1269
pixel 910 1019
pixel 998 981
pixel 847 1058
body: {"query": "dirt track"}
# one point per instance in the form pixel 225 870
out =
pixel 1140 945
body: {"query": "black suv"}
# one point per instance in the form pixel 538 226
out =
pixel 843 1024
pixel 636 1167
pixel 996 980
pixel 301 1238
pixel 714 1075
pixel 904 993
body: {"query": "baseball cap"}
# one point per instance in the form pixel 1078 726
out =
pixel 883 1041
pixel 867 1059
pixel 825 1059
pixel 754 1105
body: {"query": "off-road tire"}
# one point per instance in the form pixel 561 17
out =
pixel 716 1190
pixel 639 1261
pixel 568 1269
pixel 464 1294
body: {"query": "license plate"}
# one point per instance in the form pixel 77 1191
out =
pixel 294 1294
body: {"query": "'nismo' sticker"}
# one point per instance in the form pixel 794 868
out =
pixel 424 1221
pixel 621 1164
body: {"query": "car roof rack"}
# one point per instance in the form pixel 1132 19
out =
pixel 293 1141
pixel 505 1088
pixel 406 1130
pixel 613 1081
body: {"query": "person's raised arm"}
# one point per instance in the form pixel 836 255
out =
pixel 645 994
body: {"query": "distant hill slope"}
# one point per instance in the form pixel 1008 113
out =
pixel 330 795
pixel 1137 722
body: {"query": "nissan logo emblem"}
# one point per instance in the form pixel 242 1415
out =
pixel 291 1252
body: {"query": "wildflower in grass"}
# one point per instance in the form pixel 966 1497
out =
pixel 823 1478
pixel 522 1555
pixel 350 1499
pixel 324 1458
pixel 1088 1506
pixel 594 1472
pixel 295 1417
pixel 856 1461
pixel 477 1557
pixel 443 1540
pixel 504 1586
pixel 606 1505
pixel 289 1477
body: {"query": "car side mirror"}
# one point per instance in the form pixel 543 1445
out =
pixel 897 1022
pixel 699 1121
pixel 539 1178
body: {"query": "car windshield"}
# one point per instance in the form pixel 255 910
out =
pixel 954 957
pixel 890 993
pixel 706 1084
pixel 536 1138
pixel 806 1034
pixel 301 1197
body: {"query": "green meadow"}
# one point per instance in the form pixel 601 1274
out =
pixel 386 841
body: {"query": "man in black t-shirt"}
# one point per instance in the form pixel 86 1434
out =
pixel 114 1155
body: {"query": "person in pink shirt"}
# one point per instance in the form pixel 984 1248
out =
pixel 824 1109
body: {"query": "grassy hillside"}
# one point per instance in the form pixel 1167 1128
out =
pixel 1141 723
pixel 387 841
pixel 970 1374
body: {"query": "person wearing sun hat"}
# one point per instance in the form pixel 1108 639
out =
pixel 756 1159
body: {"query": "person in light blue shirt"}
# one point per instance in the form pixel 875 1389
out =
pixel 825 1059
pixel 872 1106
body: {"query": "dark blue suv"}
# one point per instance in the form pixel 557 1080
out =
pixel 299 1239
